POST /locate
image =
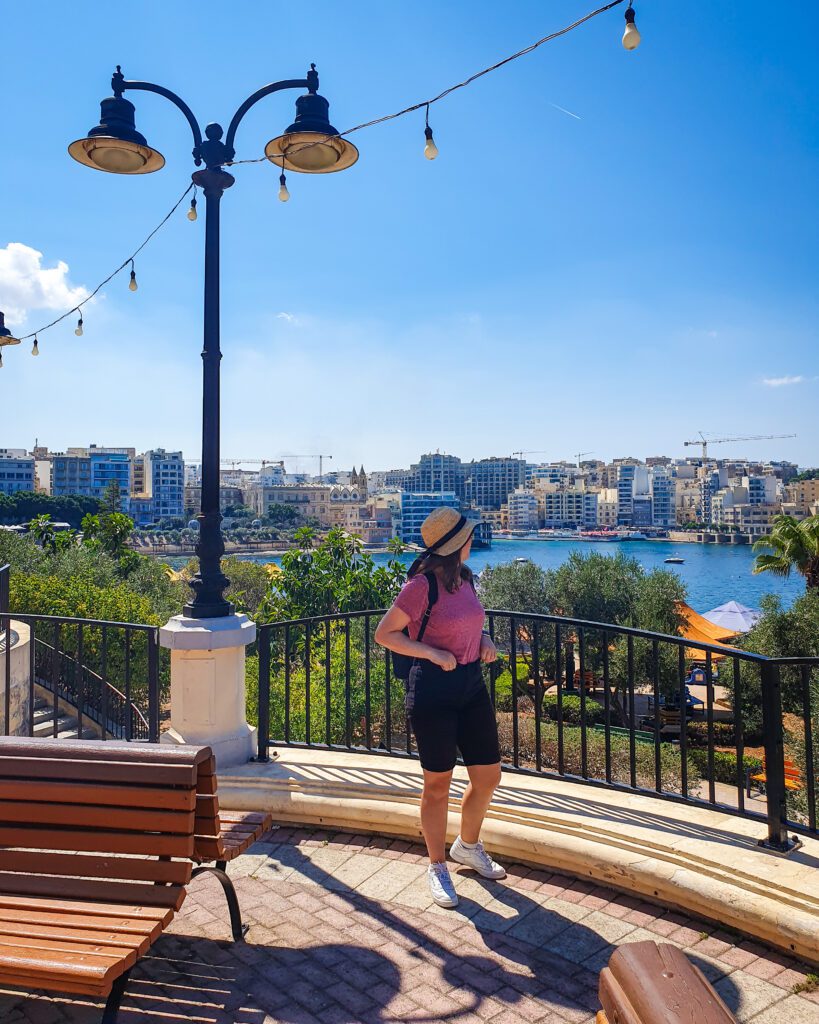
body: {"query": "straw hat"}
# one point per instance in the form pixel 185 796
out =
pixel 445 531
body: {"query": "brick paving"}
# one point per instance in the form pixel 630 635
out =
pixel 342 931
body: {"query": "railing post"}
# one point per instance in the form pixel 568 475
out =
pixel 263 732
pixel 775 792
pixel 153 687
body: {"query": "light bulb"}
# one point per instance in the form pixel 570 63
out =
pixel 192 210
pixel 133 282
pixel 78 331
pixel 35 351
pixel 631 37
pixel 430 149
pixel 284 195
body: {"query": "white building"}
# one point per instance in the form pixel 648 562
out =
pixel 522 509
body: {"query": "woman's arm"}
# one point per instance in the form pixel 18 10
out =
pixel 390 634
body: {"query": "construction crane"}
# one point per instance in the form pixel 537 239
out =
pixel 705 484
pixel 705 441
pixel 580 455
pixel 541 451
pixel 321 459
pixel 233 463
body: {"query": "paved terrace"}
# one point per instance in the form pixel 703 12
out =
pixel 342 931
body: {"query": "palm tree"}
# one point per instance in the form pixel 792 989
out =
pixel 791 545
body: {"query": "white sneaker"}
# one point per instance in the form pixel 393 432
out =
pixel 476 857
pixel 440 886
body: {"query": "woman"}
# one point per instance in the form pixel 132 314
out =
pixel 450 706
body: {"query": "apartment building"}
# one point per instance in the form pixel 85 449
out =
pixel 489 482
pixel 17 471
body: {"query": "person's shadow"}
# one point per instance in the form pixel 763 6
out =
pixel 522 950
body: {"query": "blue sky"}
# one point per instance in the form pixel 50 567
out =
pixel 613 281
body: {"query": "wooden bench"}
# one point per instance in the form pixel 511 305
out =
pixel 97 841
pixel 794 779
pixel 220 836
pixel 651 983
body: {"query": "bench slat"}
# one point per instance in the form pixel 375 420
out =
pixel 129 819
pixel 110 750
pixel 66 986
pixel 54 964
pixel 135 929
pixel 131 868
pixel 89 908
pixel 102 771
pixel 154 798
pixel 45 838
pixel 39 944
pixel 19 931
pixel 170 896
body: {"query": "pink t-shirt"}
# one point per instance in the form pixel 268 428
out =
pixel 455 623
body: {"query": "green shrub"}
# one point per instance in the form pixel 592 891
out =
pixel 725 765
pixel 595 713
pixel 670 761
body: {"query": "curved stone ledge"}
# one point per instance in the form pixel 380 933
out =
pixel 704 861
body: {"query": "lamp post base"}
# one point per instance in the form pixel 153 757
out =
pixel 208 685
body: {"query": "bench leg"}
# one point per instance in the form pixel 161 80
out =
pixel 109 1014
pixel 220 870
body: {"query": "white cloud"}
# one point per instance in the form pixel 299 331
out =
pixel 25 284
pixel 288 317
pixel 781 382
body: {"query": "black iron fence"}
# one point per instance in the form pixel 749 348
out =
pixel 81 675
pixel 585 701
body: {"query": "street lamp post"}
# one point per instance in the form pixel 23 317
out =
pixel 310 145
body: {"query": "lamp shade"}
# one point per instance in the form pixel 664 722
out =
pixel 6 337
pixel 311 144
pixel 115 145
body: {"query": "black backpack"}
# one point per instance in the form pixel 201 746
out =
pixel 402 663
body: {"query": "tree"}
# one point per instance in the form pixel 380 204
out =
pixel 42 530
pixel 330 577
pixel 517 587
pixel 109 530
pixel 280 514
pixel 111 501
pixel 791 545
pixel 780 633
pixel 23 506
pixel 595 587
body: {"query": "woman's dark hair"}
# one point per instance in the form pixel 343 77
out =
pixel 452 571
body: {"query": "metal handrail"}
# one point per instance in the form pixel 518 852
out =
pixel 322 715
pixel 88 708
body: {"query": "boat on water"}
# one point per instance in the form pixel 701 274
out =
pixel 521 559
pixel 674 561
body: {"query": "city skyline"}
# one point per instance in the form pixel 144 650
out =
pixel 540 296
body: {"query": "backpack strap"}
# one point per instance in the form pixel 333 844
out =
pixel 432 583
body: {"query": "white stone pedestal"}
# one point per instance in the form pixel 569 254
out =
pixel 208 685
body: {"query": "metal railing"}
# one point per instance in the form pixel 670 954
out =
pixel 586 701
pixel 105 674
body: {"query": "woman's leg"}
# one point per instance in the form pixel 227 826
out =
pixel 483 781
pixel 434 810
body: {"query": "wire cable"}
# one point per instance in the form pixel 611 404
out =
pixel 113 274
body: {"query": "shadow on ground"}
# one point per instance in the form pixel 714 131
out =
pixel 531 954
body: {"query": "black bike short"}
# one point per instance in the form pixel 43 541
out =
pixel 452 712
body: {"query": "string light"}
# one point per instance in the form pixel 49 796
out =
pixel 631 36
pixel 631 40
pixel 430 149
